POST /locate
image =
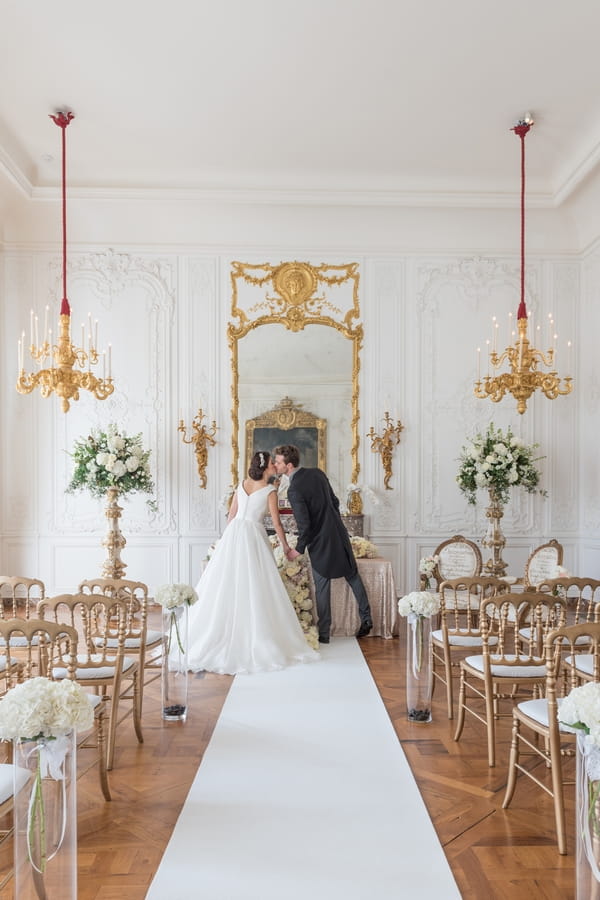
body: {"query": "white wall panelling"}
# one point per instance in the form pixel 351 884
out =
pixel 425 309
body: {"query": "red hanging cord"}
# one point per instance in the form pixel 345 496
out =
pixel 521 130
pixel 62 120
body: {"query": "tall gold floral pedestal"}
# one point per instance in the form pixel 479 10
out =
pixel 494 539
pixel 114 541
pixel 45 819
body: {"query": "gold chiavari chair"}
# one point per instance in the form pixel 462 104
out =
pixel 513 628
pixel 539 718
pixel 459 633
pixel 101 660
pixel 146 643
pixel 49 649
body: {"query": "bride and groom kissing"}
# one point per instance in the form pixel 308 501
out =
pixel 243 620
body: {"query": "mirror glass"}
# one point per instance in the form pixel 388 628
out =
pixel 313 367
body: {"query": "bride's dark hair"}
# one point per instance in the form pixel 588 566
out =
pixel 258 464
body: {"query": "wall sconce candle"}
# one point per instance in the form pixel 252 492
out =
pixel 201 439
pixel 384 445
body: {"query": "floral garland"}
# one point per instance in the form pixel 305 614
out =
pixel 296 581
pixel 498 461
pixel 108 459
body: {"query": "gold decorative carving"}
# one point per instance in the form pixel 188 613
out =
pixel 201 439
pixel 295 305
pixel 384 445
pixel 286 416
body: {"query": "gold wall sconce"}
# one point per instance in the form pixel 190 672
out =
pixel 384 445
pixel 202 439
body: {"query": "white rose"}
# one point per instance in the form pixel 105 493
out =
pixel 132 463
pixel 119 469
pixel 101 458
pixel 109 461
pixel 115 442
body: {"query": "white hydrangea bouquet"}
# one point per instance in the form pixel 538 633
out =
pixel 295 577
pixel 111 458
pixel 419 603
pixel 417 606
pixel 363 549
pixel 173 597
pixel 498 460
pixel 44 713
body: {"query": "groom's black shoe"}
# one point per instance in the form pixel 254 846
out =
pixel 365 628
pixel 324 639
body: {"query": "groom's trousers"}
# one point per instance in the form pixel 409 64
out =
pixel 323 598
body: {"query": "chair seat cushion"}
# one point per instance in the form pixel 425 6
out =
pixel 21 641
pixel 87 674
pixel 537 670
pixel 460 638
pixel 582 662
pixel 538 711
pixel 133 643
pixel 3 662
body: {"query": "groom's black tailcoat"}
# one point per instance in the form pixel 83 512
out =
pixel 320 528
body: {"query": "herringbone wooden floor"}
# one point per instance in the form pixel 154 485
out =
pixel 494 853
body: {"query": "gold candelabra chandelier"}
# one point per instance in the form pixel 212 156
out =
pixel 524 376
pixel 71 367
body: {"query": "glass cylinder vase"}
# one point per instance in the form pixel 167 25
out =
pixel 419 668
pixel 45 818
pixel 175 671
pixel 587 821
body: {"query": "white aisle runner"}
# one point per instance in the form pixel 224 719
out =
pixel 304 792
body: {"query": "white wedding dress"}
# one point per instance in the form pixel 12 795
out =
pixel 243 620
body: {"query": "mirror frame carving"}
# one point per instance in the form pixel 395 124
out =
pixel 295 305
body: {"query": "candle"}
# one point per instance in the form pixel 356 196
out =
pixel 550 324
pixel 510 331
pixel 488 356
pixel 83 337
pixel 478 364
pixel 46 311
pixel 90 329
pixel 494 326
pixel 31 327
pixel 569 345
pixel 96 334
pixel 109 360
pixel 104 365
pixel 37 342
pixel 19 358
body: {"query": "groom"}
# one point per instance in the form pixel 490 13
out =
pixel 321 530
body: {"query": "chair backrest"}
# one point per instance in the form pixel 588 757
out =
pixel 40 646
pixel 562 644
pixel 133 593
pixel 582 596
pixel 100 622
pixel 518 624
pixel 18 591
pixel 457 558
pixel 460 601
pixel 542 562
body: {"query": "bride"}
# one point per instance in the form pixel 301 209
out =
pixel 244 620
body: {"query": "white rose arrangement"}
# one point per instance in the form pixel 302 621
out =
pixel 427 566
pixel 363 549
pixel 497 460
pixel 111 458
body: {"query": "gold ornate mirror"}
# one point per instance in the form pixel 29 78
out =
pixel 310 351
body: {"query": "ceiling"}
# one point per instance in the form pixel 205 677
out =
pixel 388 100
